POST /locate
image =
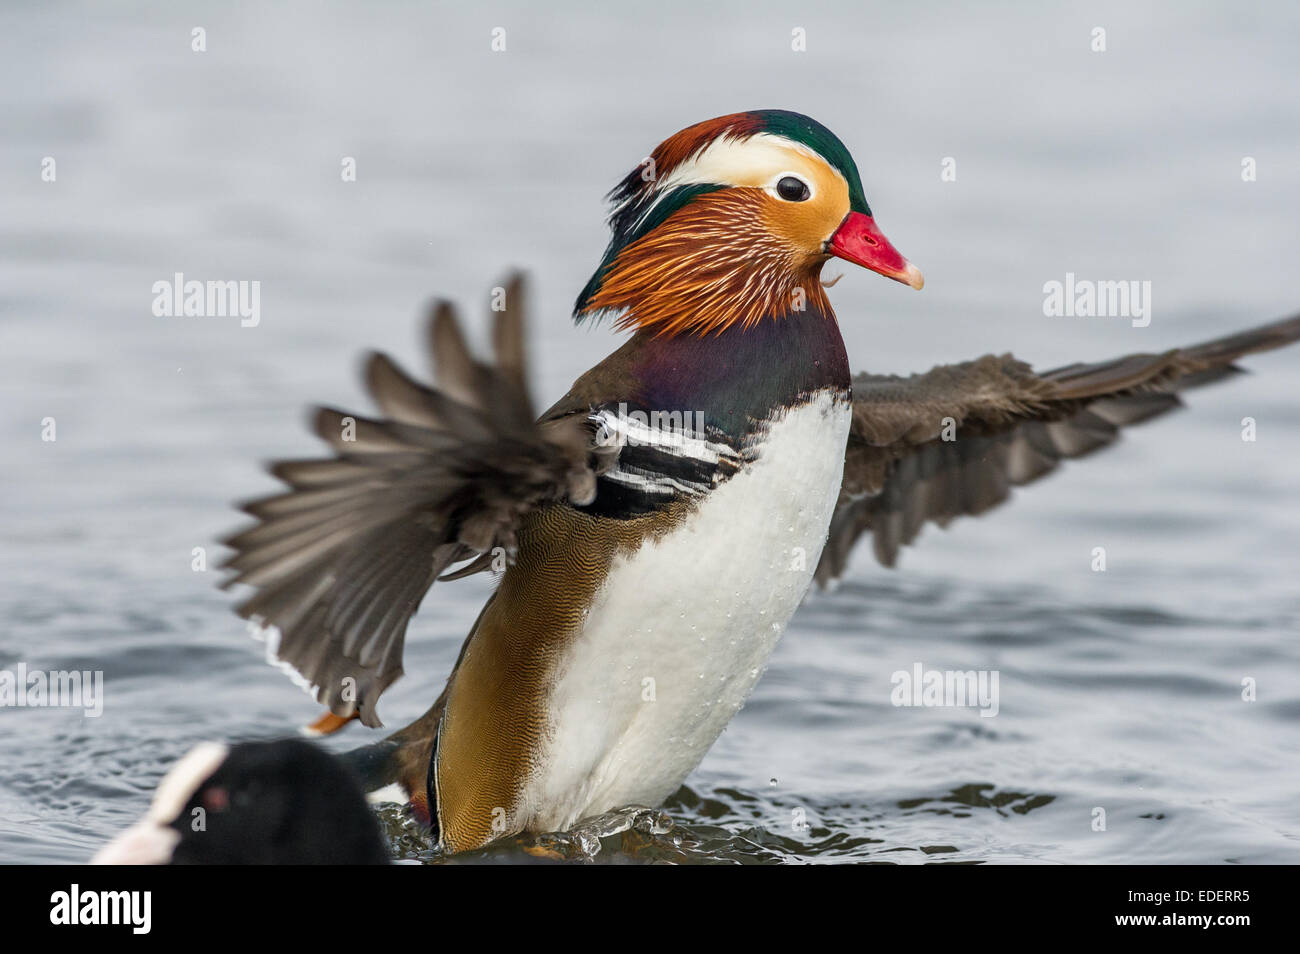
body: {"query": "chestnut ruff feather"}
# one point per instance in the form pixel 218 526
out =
pixel 710 265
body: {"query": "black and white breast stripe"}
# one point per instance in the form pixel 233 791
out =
pixel 662 457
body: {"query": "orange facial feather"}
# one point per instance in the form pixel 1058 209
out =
pixel 714 263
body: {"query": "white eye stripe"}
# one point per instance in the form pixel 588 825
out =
pixel 741 162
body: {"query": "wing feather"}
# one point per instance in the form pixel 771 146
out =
pixel 1008 426
pixel 341 560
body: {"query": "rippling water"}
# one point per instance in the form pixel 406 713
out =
pixel 1118 690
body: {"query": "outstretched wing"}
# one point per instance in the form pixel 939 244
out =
pixel 341 560
pixel 955 440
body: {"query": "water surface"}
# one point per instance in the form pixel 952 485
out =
pixel 1118 690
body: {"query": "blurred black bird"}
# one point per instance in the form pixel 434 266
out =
pixel 285 802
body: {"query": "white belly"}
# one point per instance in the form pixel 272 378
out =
pixel 680 631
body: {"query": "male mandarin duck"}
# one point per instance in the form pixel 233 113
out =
pixel 724 441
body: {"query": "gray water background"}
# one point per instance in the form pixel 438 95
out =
pixel 1119 690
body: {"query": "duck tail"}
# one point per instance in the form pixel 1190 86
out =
pixel 397 769
pixel 375 765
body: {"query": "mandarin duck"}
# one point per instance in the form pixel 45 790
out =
pixel 725 440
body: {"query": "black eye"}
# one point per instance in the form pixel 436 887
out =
pixel 792 189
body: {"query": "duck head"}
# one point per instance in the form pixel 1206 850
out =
pixel 730 221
